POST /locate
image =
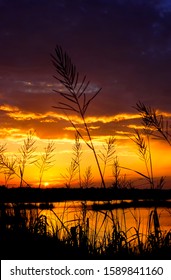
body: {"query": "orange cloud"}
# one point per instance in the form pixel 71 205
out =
pixel 113 118
pixel 8 108
pixel 49 116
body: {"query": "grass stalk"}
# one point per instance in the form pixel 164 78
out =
pixel 151 119
pixel 75 99
pixel 26 155
pixel 144 151
pixel 45 162
pixel 108 154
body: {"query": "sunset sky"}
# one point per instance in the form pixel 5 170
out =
pixel 123 46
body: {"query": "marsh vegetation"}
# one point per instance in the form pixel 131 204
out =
pixel 30 221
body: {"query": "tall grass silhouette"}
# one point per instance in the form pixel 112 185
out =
pixel 144 151
pixel 151 119
pixel 52 235
pixel 74 168
pixel 75 99
pixel 27 155
pixel 46 161
pixel 88 232
pixel 154 126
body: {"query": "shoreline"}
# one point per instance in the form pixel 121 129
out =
pixel 28 195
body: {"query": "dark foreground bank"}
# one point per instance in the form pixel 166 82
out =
pixel 92 194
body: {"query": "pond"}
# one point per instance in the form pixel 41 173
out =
pixel 73 220
pixel 130 222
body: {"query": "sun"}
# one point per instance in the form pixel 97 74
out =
pixel 46 184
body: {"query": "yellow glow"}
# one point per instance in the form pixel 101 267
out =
pixel 126 150
pixel 113 118
pixel 46 184
pixel 50 116
pixel 17 114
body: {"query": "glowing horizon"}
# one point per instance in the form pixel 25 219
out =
pixel 125 150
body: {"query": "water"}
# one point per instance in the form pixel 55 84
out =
pixel 78 216
pixel 101 224
pixel 131 230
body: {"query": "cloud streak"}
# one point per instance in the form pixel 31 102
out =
pixel 53 124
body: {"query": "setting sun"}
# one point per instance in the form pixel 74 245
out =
pixel 46 184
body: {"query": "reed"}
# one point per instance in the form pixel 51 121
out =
pixel 79 236
pixel 75 99
pixel 27 155
pixel 153 120
pixel 74 168
pixel 92 234
pixel 107 154
pixel 9 167
pixel 144 151
pixel 155 126
pixel 46 161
